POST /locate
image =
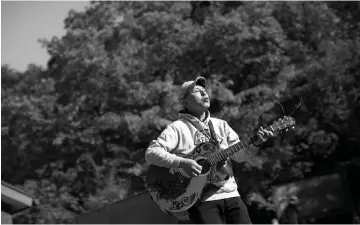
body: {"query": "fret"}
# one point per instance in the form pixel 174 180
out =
pixel 237 147
pixel 242 145
pixel 222 155
pixel 216 157
pixel 227 154
pixel 233 149
pixel 248 141
pixel 219 157
pixel 252 138
pixel 210 160
pixel 215 160
pixel 244 142
pixel 272 129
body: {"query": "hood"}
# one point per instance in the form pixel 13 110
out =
pixel 195 121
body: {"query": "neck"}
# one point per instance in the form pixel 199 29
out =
pixel 200 115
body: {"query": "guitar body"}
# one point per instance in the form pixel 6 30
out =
pixel 175 192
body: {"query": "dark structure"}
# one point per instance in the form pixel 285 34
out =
pixel 322 199
pixel 13 201
pixel 138 209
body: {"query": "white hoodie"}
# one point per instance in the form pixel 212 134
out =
pixel 181 137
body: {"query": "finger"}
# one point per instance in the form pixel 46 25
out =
pixel 261 129
pixel 262 137
pixel 265 134
pixel 198 167
pixel 270 134
pixel 197 172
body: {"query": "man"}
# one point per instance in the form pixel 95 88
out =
pixel 221 204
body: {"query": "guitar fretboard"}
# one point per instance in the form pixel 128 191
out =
pixel 224 154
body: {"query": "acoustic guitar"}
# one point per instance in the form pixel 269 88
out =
pixel 175 192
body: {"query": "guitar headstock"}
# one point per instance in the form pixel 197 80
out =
pixel 284 123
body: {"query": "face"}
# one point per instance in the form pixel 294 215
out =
pixel 197 100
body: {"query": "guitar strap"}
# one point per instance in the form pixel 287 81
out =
pixel 215 140
pixel 213 135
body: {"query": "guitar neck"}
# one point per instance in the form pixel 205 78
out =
pixel 224 154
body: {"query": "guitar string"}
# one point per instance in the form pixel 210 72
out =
pixel 233 149
pixel 217 159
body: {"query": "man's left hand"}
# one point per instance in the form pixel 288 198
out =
pixel 263 136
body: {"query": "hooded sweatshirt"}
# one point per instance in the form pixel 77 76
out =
pixel 180 138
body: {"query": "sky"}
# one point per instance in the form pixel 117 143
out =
pixel 23 23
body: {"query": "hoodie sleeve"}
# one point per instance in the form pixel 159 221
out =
pixel 159 150
pixel 232 138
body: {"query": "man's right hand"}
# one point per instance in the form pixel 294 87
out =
pixel 190 167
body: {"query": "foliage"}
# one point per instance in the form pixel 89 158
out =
pixel 74 134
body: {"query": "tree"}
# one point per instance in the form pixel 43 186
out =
pixel 78 129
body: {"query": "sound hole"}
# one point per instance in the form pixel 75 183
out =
pixel 205 165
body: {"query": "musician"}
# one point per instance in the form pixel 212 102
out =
pixel 220 203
